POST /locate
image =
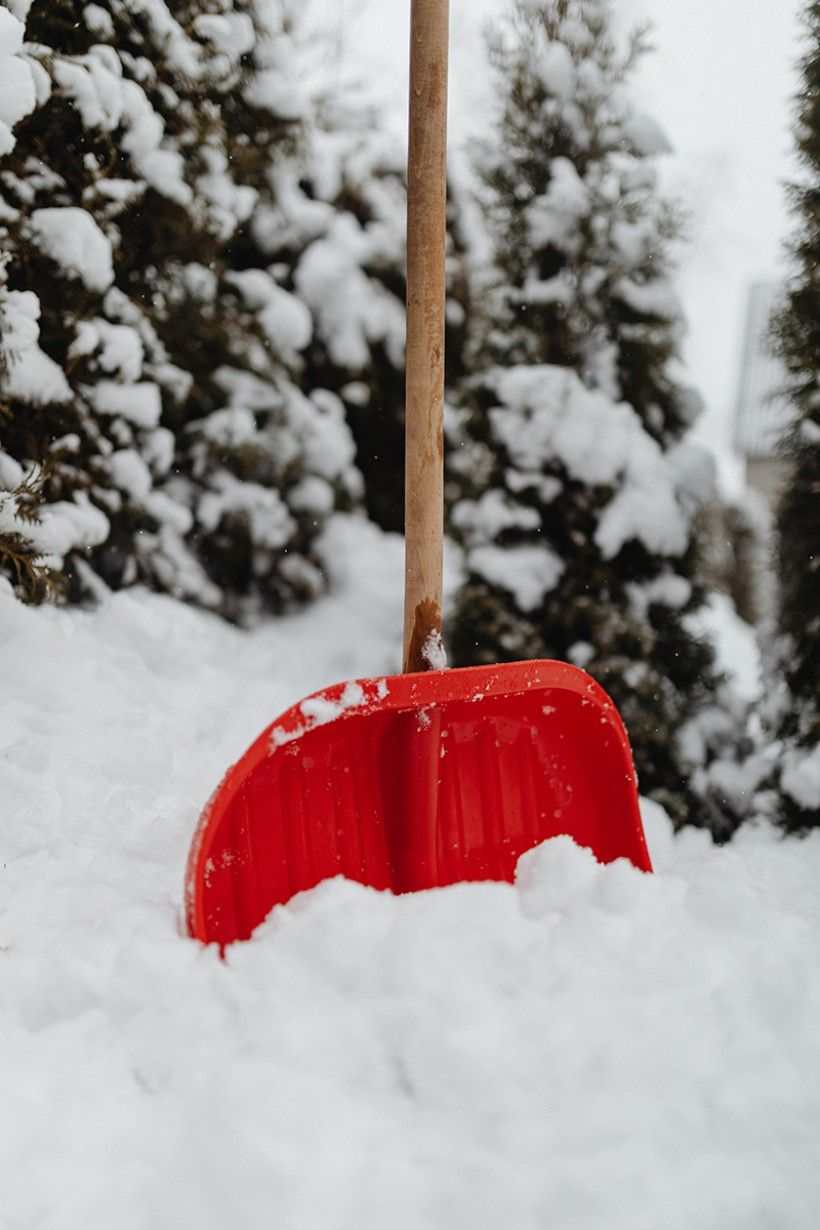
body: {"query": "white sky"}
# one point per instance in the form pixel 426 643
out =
pixel 719 82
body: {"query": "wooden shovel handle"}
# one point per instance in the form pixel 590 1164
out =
pixel 424 403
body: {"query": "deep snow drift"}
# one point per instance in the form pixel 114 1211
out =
pixel 589 1048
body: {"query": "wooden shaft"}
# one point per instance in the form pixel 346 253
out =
pixel 424 401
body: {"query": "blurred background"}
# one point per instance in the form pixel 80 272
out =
pixel 720 82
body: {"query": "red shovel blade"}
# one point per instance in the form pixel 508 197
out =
pixel 412 782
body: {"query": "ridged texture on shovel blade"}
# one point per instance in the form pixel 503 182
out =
pixel 414 782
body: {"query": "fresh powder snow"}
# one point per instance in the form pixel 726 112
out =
pixel 590 1047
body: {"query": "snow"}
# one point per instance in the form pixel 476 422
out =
pixel 313 495
pixel 556 69
pixel 735 643
pixel 320 710
pixel 31 375
pixel 94 84
pixel 161 168
pixel 264 509
pixel 645 136
pixel 547 414
pixel 67 526
pixel 19 8
pixel 668 589
pixel 231 31
pixel 433 651
pixel 17 93
pixel 61 527
pixel 98 20
pixel 121 351
pixel 11 473
pixel 230 427
pixel 352 310
pixel 652 298
pixel 140 403
pixel 493 512
pixel 800 776
pixel 590 1047
pixel 71 238
pixel 130 473
pixel 543 291
pixel 326 440
pixel 230 204
pixel 554 218
pixel 181 52
pixel 284 319
pixel 527 572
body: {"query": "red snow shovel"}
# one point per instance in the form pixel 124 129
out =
pixel 433 776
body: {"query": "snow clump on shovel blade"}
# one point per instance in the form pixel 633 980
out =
pixel 321 709
pixel 433 652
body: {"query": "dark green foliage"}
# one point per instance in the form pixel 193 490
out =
pixel 798 520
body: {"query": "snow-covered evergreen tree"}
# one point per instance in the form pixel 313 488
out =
pixel 577 495
pixel 153 391
pixel 335 230
pixel 798 522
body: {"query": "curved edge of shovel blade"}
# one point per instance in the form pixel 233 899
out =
pixel 224 899
pixel 410 782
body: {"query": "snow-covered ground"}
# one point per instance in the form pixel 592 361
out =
pixel 588 1048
